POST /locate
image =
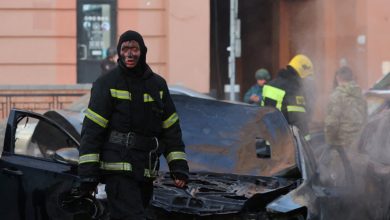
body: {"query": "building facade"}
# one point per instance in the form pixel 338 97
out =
pixel 51 42
pixel 62 41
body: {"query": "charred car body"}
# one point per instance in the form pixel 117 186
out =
pixel 245 162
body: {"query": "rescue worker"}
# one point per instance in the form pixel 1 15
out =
pixel 254 94
pixel 130 120
pixel 287 94
pixel 109 62
pixel 346 111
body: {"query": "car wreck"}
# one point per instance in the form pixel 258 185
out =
pixel 246 162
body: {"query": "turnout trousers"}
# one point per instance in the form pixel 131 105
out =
pixel 127 198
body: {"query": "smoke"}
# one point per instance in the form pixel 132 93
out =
pixel 351 182
pixel 328 33
pixel 355 180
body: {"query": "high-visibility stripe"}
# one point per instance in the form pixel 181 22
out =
pixel 170 121
pixel 119 166
pixel 148 98
pixel 124 166
pixel 307 137
pixel 295 108
pixel 176 155
pixel 93 116
pixel 120 94
pixel 89 158
pixel 300 100
pixel 275 94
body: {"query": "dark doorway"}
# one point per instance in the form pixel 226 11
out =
pixel 219 41
pixel 259 34
pixel 96 32
pixel 256 40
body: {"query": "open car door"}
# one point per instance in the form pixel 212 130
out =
pixel 32 181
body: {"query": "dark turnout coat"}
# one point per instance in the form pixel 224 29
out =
pixel 123 103
pixel 285 93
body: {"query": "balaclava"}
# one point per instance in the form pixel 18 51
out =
pixel 141 65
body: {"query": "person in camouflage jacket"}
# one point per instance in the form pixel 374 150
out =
pixel 346 110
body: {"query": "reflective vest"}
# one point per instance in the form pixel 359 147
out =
pixel 278 95
pixel 285 92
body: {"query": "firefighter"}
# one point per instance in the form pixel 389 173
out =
pixel 287 94
pixel 130 121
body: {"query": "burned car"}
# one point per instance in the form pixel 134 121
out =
pixel 246 162
pixel 47 148
pixel 378 97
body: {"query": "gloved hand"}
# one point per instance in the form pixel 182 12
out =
pixel 179 178
pixel 81 203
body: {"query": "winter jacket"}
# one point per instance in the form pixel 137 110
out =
pixel 254 90
pixel 346 113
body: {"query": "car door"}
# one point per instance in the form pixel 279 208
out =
pixel 32 181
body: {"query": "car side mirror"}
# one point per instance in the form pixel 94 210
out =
pixel 263 148
pixel 67 155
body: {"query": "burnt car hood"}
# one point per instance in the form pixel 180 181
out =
pixel 226 174
pixel 214 193
pixel 221 137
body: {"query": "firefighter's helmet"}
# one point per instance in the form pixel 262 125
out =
pixel 303 65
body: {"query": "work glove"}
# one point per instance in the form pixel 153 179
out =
pixel 80 203
pixel 179 178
